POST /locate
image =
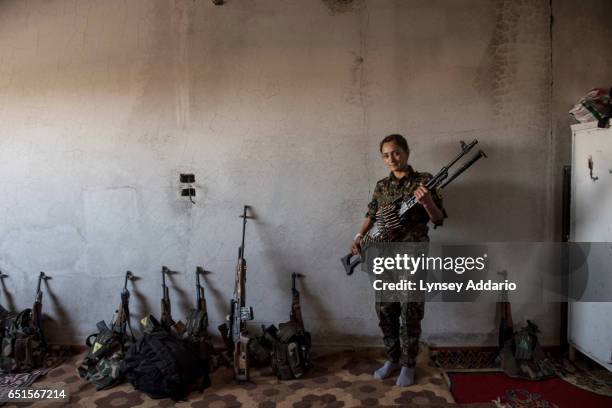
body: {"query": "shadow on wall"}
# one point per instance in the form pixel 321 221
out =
pixel 62 323
pixel 10 301
pixel 143 304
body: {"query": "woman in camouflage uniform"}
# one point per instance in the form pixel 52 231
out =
pixel 400 322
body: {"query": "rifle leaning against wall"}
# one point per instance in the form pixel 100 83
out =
pixel 197 327
pixel 166 320
pixel 24 345
pixel 5 315
pixel 107 347
pixel 288 347
pixel 391 217
pixel 236 337
pixel 37 308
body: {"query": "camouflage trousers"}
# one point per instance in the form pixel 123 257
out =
pixel 401 327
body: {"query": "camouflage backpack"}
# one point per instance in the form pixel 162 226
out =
pixel 23 346
pixel 106 351
pixel 523 357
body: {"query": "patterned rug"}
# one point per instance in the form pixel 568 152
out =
pixel 465 360
pixel 340 378
pixel 55 356
pixel 518 393
pixel 594 379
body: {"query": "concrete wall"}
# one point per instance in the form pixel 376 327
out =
pixel 276 104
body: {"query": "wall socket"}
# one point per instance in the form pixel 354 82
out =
pixel 186 178
pixel 188 192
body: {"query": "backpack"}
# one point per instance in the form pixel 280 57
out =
pixel 162 365
pixel 101 365
pixel 23 346
pixel 523 357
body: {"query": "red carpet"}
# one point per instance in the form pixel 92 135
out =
pixel 552 393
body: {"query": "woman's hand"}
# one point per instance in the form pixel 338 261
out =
pixel 423 196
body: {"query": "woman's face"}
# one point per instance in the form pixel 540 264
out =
pixel 394 156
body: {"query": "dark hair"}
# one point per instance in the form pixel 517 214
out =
pixel 397 139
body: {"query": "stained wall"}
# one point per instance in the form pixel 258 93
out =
pixel 275 104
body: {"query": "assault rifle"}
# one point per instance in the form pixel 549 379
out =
pixel 166 320
pixel 296 309
pixel 197 320
pixel 121 320
pixel 236 337
pixel 392 216
pixel 506 326
pixel 37 308
pixel 5 315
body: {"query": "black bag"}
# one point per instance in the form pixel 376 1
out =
pixel 161 365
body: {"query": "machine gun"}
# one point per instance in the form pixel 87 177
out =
pixel 391 217
pixel 37 308
pixel 236 337
pixel 166 320
pixel 121 320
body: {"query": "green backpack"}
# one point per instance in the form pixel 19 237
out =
pixel 106 351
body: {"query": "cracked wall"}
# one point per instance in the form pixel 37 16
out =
pixel 276 104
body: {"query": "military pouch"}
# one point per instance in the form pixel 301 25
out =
pixel 22 348
pixel 280 362
pixel 291 351
pixel 294 359
pixel 103 344
pixel 197 322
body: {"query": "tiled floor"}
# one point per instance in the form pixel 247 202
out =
pixel 340 378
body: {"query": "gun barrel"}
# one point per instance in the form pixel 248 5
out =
pixel 463 168
pixel 244 221
pixel 128 276
pixel 199 288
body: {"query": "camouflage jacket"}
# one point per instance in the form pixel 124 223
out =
pixel 390 188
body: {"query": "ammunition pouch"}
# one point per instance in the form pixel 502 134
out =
pixel 286 349
pixel 197 322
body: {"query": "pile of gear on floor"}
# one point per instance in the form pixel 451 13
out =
pixel 172 358
pixel 169 359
